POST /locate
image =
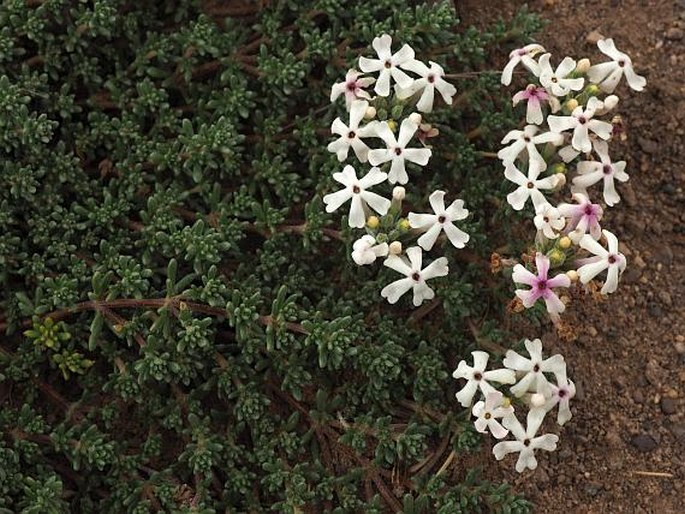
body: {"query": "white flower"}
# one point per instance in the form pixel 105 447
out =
pixel 610 260
pixel 477 377
pixel 522 55
pixel 581 122
pixel 388 64
pixel 608 74
pixel 431 79
pixel 397 152
pixel 365 250
pixel 591 172
pixel 352 87
pixel 415 276
pixel 529 187
pixel 562 393
pixel 549 220
pixel 441 220
pixel 526 139
pixel 557 81
pixel 487 413
pixel 534 368
pixel 526 442
pixel 356 189
pixel 350 135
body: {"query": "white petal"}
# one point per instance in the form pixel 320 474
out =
pixel 357 217
pixel 395 290
pixel 334 200
pixel 376 202
pixel 457 237
pixel 427 240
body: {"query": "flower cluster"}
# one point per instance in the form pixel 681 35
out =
pixel 401 83
pixel 531 388
pixel 566 135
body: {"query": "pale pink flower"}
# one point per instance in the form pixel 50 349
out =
pixel 561 395
pixel 533 96
pixel 353 88
pixel 541 285
pixel 525 56
pixel 582 217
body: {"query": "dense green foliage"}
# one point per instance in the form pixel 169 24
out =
pixel 184 330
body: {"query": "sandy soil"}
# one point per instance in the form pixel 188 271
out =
pixel 624 449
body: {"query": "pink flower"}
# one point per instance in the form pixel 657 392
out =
pixel 582 217
pixel 352 87
pixel 561 395
pixel 534 96
pixel 541 286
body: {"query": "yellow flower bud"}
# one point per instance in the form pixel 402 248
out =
pixel 571 105
pixel 565 242
pixel 403 224
pixel 592 90
pixel 583 65
pixel 372 222
pixel 370 113
pixel 506 402
pixel 572 275
pixel 559 167
pixel 392 124
pixel 556 257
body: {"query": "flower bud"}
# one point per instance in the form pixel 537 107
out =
pixel 592 90
pixel 395 248
pixel 372 222
pixel 561 181
pixel 415 118
pixel 572 275
pixel 537 400
pixel 610 102
pixel 558 167
pixel 565 242
pixel 583 65
pixel 398 193
pixel 556 257
pixel 506 402
pixel 381 238
pixel 392 124
pixel 403 224
pixel 571 105
pixel 370 113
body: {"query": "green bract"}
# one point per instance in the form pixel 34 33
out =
pixel 181 332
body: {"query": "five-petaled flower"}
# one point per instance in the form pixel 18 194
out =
pixel 561 394
pixel 352 87
pixel 477 377
pixel 604 259
pixel 533 96
pixel 582 217
pixel 431 79
pixel 356 189
pixel 608 74
pixel 591 172
pixel 529 186
pixel 534 368
pixel 540 286
pixel 415 277
pixel 558 81
pixel 526 443
pixel 527 139
pixel 549 220
pixel 388 64
pixel 441 220
pixel 396 150
pixel 525 56
pixel 582 122
pixel 487 413
pixel 350 135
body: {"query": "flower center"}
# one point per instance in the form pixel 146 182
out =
pixel 487 415
pixel 388 64
pixel 526 442
pixel 582 120
pixel 526 139
pixel 431 78
pixel 606 169
pixel 415 276
pixel 542 285
pixel 621 63
pixel 561 393
pixel 530 185
pixel 588 210
pixel 554 79
pixel 477 375
pixel 356 190
pixel 545 219
pixel 351 134
pixel 351 86
pixel 441 219
pixel 536 368
pixel 398 151
pixel 521 51
pixel 612 259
